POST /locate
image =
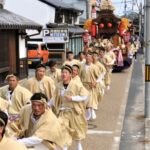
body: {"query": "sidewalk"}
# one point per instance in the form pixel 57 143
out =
pixel 133 127
pixel 104 133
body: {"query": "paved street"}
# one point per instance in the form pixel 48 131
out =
pixel 104 133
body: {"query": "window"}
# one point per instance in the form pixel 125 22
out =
pixel 55 46
pixel 43 47
pixel 32 46
pixel 59 17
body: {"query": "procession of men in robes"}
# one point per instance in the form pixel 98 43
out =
pixel 53 108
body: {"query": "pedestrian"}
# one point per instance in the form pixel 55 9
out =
pixel 70 59
pixel 69 102
pixel 75 74
pixel 16 95
pixel 38 126
pixel 89 76
pixel 82 57
pixel 54 72
pixel 41 82
pixel 102 72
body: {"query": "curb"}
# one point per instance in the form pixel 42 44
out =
pixel 147 134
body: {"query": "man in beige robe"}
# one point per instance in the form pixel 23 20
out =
pixel 82 57
pixel 16 95
pixel 7 143
pixel 69 102
pixel 70 59
pixel 39 127
pixel 75 74
pixel 89 77
pixel 108 61
pixel 54 72
pixel 102 71
pixel 41 83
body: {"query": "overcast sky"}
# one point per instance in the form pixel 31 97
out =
pixel 119 5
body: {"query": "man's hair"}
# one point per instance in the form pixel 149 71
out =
pixel 77 66
pixel 95 52
pixel 3 118
pixel 40 66
pixel 101 48
pixel 67 67
pixel 52 63
pixel 3 121
pixel 11 75
pixel 81 53
pixel 69 52
pixel 39 96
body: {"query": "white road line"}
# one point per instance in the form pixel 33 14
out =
pixel 99 132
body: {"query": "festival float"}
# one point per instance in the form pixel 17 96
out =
pixel 109 26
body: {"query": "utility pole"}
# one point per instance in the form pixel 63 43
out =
pixel 87 9
pixel 132 5
pixel 147 58
pixel 125 7
pixel 140 18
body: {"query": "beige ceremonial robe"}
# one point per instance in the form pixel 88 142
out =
pixel 112 55
pixel 102 70
pixel 55 76
pixel 71 63
pixel 20 97
pixel 77 79
pixel 89 76
pixel 47 127
pixel 3 105
pixel 9 144
pixel 45 86
pixel 71 114
pixel 101 67
pixel 109 61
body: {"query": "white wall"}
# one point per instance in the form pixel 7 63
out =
pixel 32 9
pixel 22 48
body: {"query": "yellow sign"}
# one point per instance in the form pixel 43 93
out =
pixel 29 62
pixel 147 73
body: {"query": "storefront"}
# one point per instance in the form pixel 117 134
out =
pixel 13 54
pixel 74 42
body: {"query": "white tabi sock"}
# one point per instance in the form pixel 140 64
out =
pixel 108 87
pixel 93 114
pixel 88 114
pixel 79 146
pixel 65 148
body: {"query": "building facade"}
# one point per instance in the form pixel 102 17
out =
pixel 13 54
pixel 55 12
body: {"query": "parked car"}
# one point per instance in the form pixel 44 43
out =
pixel 37 53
